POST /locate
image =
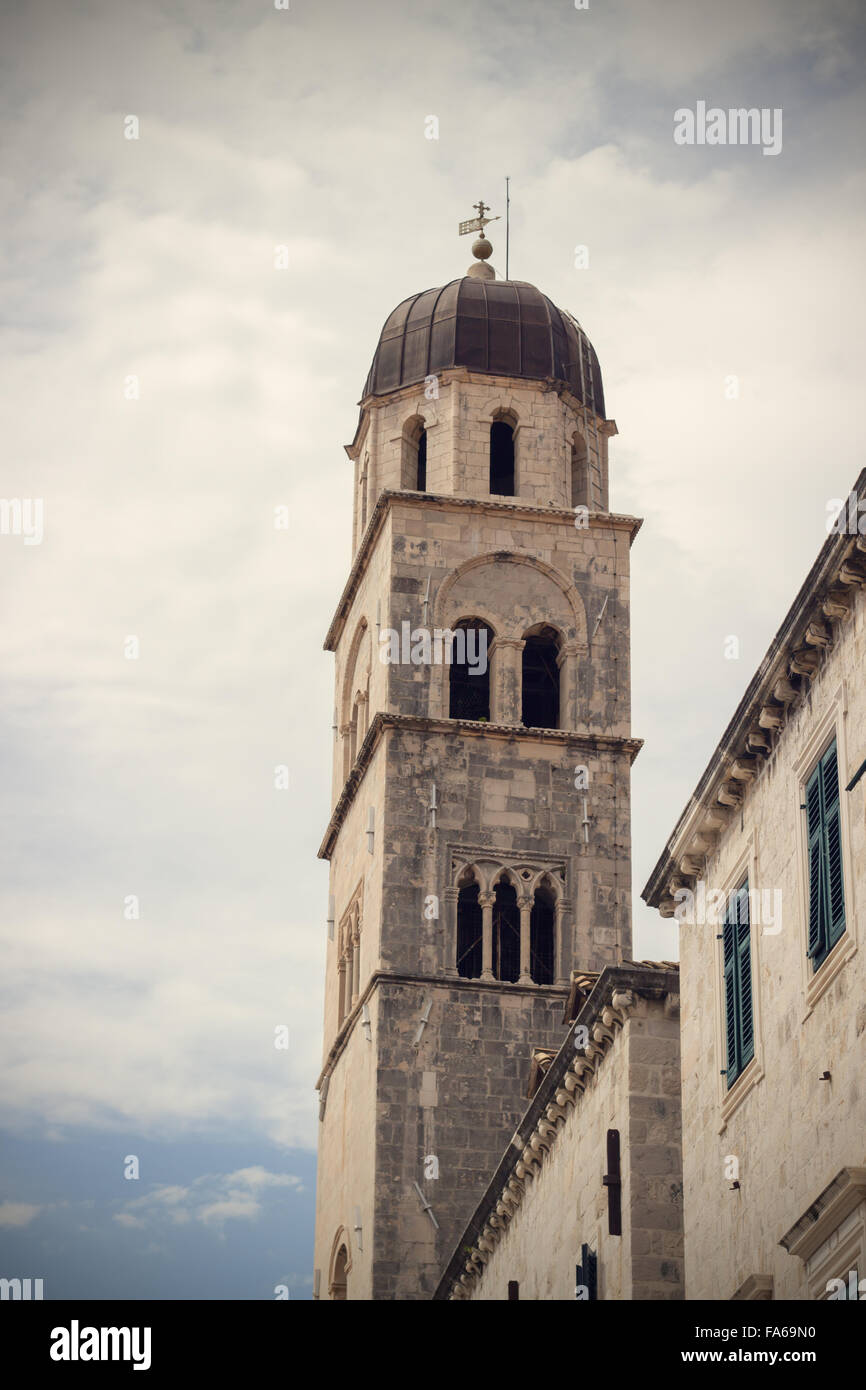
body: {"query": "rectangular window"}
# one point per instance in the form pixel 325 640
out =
pixel 739 1020
pixel 824 829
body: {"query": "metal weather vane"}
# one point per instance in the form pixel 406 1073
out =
pixel 477 224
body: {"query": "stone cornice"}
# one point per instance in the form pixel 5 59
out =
pixel 826 1213
pixel 445 502
pixel 603 1014
pixel 758 1288
pixel 416 723
pixel 793 661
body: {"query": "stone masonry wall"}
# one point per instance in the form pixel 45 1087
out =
pixel 541 570
pixel 512 797
pixel 457 1096
pixel 346 1164
pixel 458 439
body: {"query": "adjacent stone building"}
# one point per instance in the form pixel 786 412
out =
pixel 479 844
pixel 766 872
pixel 586 1202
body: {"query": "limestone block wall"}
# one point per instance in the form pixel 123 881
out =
pixel 514 569
pixel 517 570
pixel 790 1131
pixel 354 868
pixel 458 440
pixel 346 1164
pixel 456 1096
pixel 510 800
pixel 360 678
pixel 634 1089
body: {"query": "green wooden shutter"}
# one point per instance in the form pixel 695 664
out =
pixel 744 980
pixel 729 950
pixel 833 831
pixel 826 882
pixel 817 913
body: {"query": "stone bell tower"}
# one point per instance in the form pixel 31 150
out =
pixel 479 843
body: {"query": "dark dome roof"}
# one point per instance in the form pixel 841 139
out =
pixel 505 327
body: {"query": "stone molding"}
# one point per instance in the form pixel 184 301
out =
pixel 578 645
pixel 826 1213
pixel 758 1288
pixel 605 521
pixel 420 723
pixel 525 871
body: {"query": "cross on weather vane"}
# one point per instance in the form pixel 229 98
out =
pixel 477 224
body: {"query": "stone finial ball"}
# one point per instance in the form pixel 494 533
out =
pixel 482 248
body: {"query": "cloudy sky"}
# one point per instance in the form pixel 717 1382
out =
pixel 165 388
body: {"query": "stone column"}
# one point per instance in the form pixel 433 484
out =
pixel 525 905
pixel 563 952
pixel 486 901
pixel 455 446
pixel 369 484
pixel 355 956
pixel 341 998
pixel 506 680
pixel 361 699
pixel 567 661
pixel 356 965
pixel 450 898
pixel 345 735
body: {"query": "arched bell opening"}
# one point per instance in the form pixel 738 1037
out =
pixel 339 1279
pixel 413 469
pixel 540 691
pixel 542 933
pixel 506 933
pixel 502 472
pixel 469 932
pixel 469 677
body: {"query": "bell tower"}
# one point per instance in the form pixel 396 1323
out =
pixel 479 842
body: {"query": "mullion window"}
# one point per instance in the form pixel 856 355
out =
pixel 739 1011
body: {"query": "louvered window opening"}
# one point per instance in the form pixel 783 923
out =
pixel 826 886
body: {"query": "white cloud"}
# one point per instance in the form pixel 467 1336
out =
pixel 125 1218
pixel 155 257
pixel 212 1199
pixel 17 1213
